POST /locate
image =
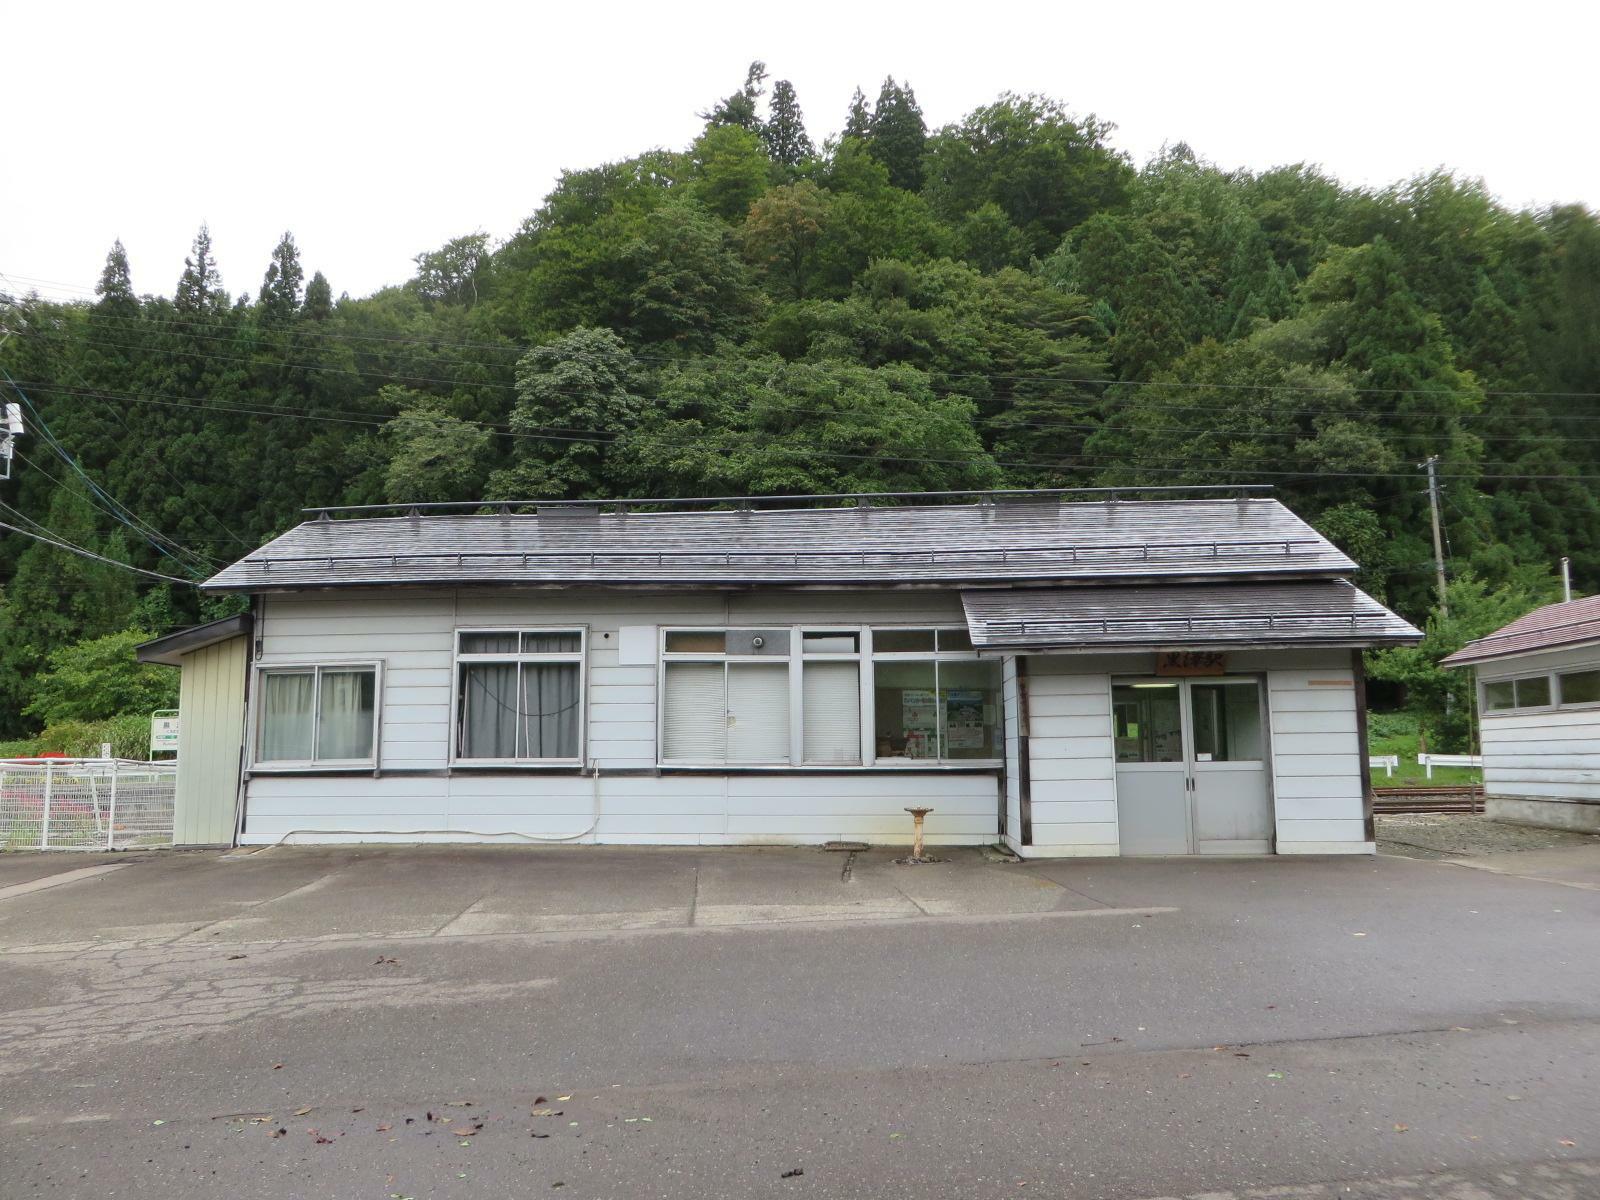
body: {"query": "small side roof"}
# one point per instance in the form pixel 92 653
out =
pixel 169 650
pixel 1568 623
pixel 1330 612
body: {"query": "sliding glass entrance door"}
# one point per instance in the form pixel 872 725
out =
pixel 1191 766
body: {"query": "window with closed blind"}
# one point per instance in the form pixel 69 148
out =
pixel 826 698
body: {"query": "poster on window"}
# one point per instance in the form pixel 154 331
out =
pixel 963 719
pixel 919 717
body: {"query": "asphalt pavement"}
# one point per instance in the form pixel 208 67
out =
pixel 455 1022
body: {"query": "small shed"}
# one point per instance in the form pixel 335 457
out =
pixel 211 705
pixel 1538 691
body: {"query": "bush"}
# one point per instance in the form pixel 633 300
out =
pixel 97 679
pixel 129 736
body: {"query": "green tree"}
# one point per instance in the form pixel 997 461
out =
pixel 858 120
pixel 897 134
pixel 99 678
pixel 279 301
pixel 319 298
pixel 691 288
pixel 742 109
pixel 728 170
pixel 454 273
pixel 433 455
pixel 782 232
pixel 576 398
pixel 788 144
pixel 200 286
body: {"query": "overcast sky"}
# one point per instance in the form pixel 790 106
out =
pixel 375 131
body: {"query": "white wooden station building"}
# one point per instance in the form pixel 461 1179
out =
pixel 1538 693
pixel 1069 676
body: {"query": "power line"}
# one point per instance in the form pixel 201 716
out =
pixel 81 552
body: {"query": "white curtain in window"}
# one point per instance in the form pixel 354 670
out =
pixel 549 711
pixel 344 715
pixel 832 712
pixel 489 710
pixel 286 716
pixel 693 713
pixel 758 712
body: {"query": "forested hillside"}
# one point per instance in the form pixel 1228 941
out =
pixel 1006 300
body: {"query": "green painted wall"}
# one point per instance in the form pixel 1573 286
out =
pixel 210 738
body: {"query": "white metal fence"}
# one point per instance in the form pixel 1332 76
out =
pixel 85 803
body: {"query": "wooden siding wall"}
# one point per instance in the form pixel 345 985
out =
pixel 1550 755
pixel 210 739
pixel 413 632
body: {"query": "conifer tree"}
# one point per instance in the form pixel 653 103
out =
pixel 280 290
pixel 788 144
pixel 898 134
pixel 200 286
pixel 858 123
pixel 319 298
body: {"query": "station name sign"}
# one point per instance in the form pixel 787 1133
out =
pixel 1191 662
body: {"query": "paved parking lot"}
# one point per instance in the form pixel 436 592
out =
pixel 452 1022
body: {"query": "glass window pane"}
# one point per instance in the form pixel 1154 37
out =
pixel 488 643
pixel 552 643
pixel 902 641
pixel 955 639
pixel 1533 691
pixel 1580 687
pixel 1498 695
pixel 488 710
pixel 286 716
pixel 696 641
pixel 905 709
pixel 758 641
pixel 550 710
pixel 694 726
pixel 832 712
pixel 344 714
pixel 758 712
pixel 969 695
pixel 1148 722
pixel 1227 722
pixel 830 643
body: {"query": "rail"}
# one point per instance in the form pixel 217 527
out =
pixel 86 803
pixel 865 499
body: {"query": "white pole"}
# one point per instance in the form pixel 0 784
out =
pixel 111 817
pixel 49 783
pixel 1566 578
pixel 1438 540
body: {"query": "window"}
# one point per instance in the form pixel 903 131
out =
pixel 320 715
pixel 782 697
pixel 720 702
pixel 1227 721
pixel 1580 687
pixel 933 698
pixel 1533 692
pixel 519 695
pixel 1528 692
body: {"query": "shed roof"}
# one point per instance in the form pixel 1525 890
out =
pixel 1569 623
pixel 169 650
pixel 1329 612
pixel 994 543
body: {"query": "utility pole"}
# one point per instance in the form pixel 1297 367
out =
pixel 1438 538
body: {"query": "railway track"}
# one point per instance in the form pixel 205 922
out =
pixel 1457 799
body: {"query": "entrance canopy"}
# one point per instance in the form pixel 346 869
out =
pixel 1324 612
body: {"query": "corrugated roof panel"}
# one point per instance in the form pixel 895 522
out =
pixel 1332 612
pixel 1568 623
pixel 917 544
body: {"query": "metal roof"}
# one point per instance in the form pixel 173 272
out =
pixel 1329 612
pixel 1568 623
pixel 169 650
pixel 914 544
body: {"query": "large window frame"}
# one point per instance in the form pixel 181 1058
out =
pixel 796 658
pixel 316 668
pixel 578 657
pixel 1554 680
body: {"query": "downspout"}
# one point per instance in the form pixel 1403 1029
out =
pixel 1358 668
pixel 1024 766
